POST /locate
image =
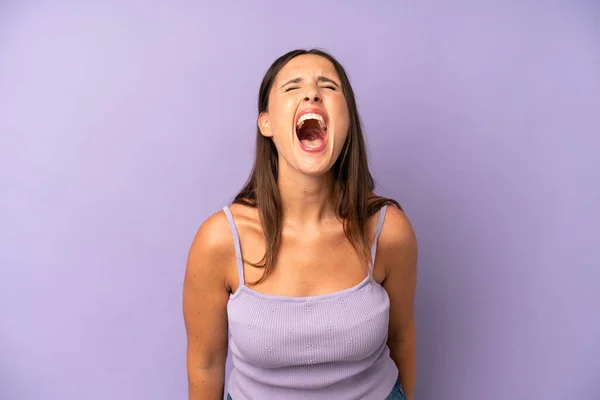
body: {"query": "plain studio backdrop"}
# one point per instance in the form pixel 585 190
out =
pixel 123 125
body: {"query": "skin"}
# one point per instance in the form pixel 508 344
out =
pixel 315 256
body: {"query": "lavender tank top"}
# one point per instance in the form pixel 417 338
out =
pixel 327 347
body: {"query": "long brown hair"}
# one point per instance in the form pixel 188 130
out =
pixel 353 182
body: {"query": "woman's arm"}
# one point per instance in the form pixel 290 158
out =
pixel 399 253
pixel 205 296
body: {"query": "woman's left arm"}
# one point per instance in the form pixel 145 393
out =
pixel 398 250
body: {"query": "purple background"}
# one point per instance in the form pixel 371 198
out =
pixel 123 125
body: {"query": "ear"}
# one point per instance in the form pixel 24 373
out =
pixel 264 125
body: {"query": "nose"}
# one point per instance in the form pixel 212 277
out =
pixel 312 94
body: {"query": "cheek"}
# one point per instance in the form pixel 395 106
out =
pixel 342 126
pixel 342 118
pixel 282 117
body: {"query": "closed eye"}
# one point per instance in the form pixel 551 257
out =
pixel 330 87
pixel 290 88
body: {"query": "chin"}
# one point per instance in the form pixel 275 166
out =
pixel 314 169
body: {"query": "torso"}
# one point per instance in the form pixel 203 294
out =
pixel 317 327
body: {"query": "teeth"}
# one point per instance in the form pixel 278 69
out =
pixel 307 116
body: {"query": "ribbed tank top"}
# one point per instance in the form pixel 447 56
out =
pixel 329 347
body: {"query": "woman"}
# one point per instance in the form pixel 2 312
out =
pixel 309 274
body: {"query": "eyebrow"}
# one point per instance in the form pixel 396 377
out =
pixel 319 79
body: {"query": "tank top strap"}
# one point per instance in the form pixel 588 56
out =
pixel 236 244
pixel 377 233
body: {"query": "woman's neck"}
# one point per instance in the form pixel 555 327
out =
pixel 307 200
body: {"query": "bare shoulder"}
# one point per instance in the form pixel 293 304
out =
pixel 397 229
pixel 212 247
pixel 398 242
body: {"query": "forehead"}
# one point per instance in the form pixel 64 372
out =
pixel 304 66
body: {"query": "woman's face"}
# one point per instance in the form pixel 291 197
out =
pixel 307 115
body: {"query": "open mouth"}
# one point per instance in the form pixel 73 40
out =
pixel 311 131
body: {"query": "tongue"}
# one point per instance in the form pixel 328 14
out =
pixel 311 137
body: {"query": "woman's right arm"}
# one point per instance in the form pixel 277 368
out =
pixel 205 296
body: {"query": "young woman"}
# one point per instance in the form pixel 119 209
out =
pixel 308 277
